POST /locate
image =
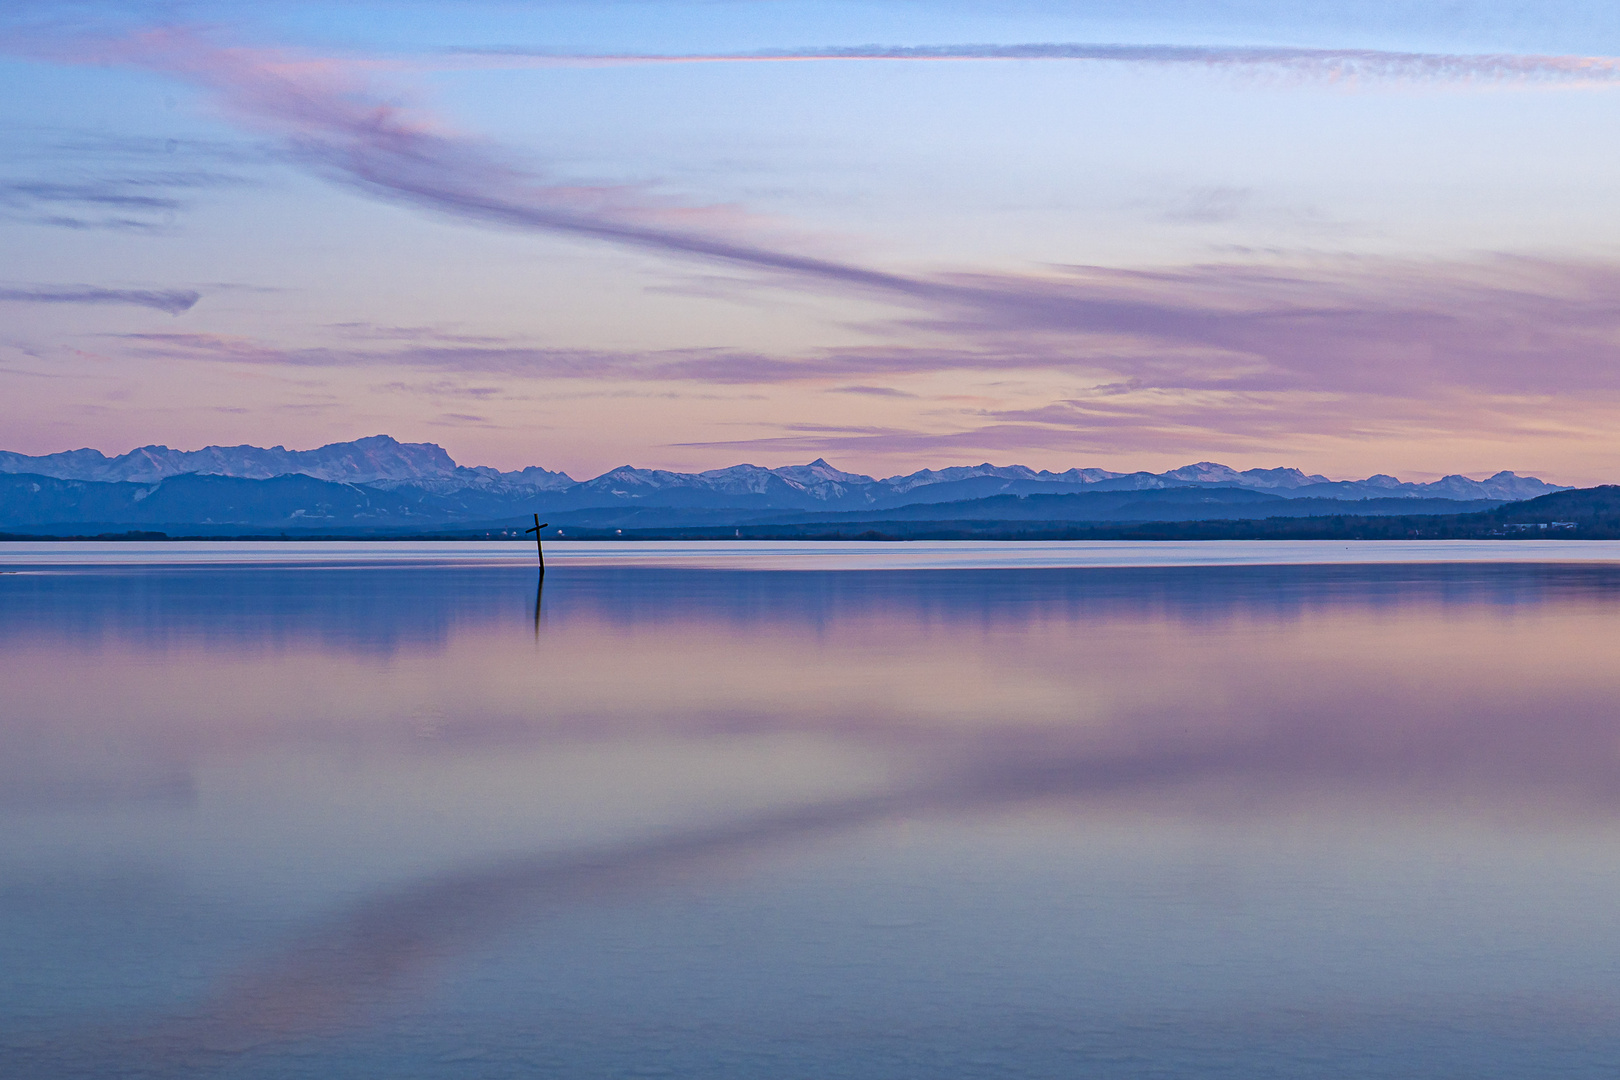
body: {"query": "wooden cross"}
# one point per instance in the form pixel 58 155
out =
pixel 539 554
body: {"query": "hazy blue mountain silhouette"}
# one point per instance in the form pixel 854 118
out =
pixel 431 486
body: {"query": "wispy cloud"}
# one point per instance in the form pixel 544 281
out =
pixel 1361 326
pixel 337 124
pixel 87 181
pixel 334 121
pixel 173 301
pixel 1336 65
pixel 1209 206
pixel 144 202
pixel 870 391
pixel 115 194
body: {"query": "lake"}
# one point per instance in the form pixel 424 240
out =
pixel 810 811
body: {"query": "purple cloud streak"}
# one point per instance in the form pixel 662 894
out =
pixel 1358 326
pixel 335 125
pixel 173 301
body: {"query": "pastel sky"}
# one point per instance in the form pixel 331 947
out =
pixel 1351 237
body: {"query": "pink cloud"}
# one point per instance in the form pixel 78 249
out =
pixel 1365 326
pixel 1354 326
pixel 335 122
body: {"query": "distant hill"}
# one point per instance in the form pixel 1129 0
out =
pixel 1583 514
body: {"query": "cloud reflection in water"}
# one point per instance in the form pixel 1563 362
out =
pixel 1212 692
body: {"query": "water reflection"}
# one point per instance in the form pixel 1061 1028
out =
pixel 428 758
pixel 539 596
pixel 1497 681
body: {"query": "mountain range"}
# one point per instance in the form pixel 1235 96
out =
pixel 417 469
pixel 381 487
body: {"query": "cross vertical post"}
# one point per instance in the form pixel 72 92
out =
pixel 538 552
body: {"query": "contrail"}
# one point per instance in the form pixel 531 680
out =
pixel 1336 65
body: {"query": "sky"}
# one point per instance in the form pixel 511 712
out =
pixel 1348 237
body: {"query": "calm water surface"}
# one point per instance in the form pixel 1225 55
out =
pixel 794 811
